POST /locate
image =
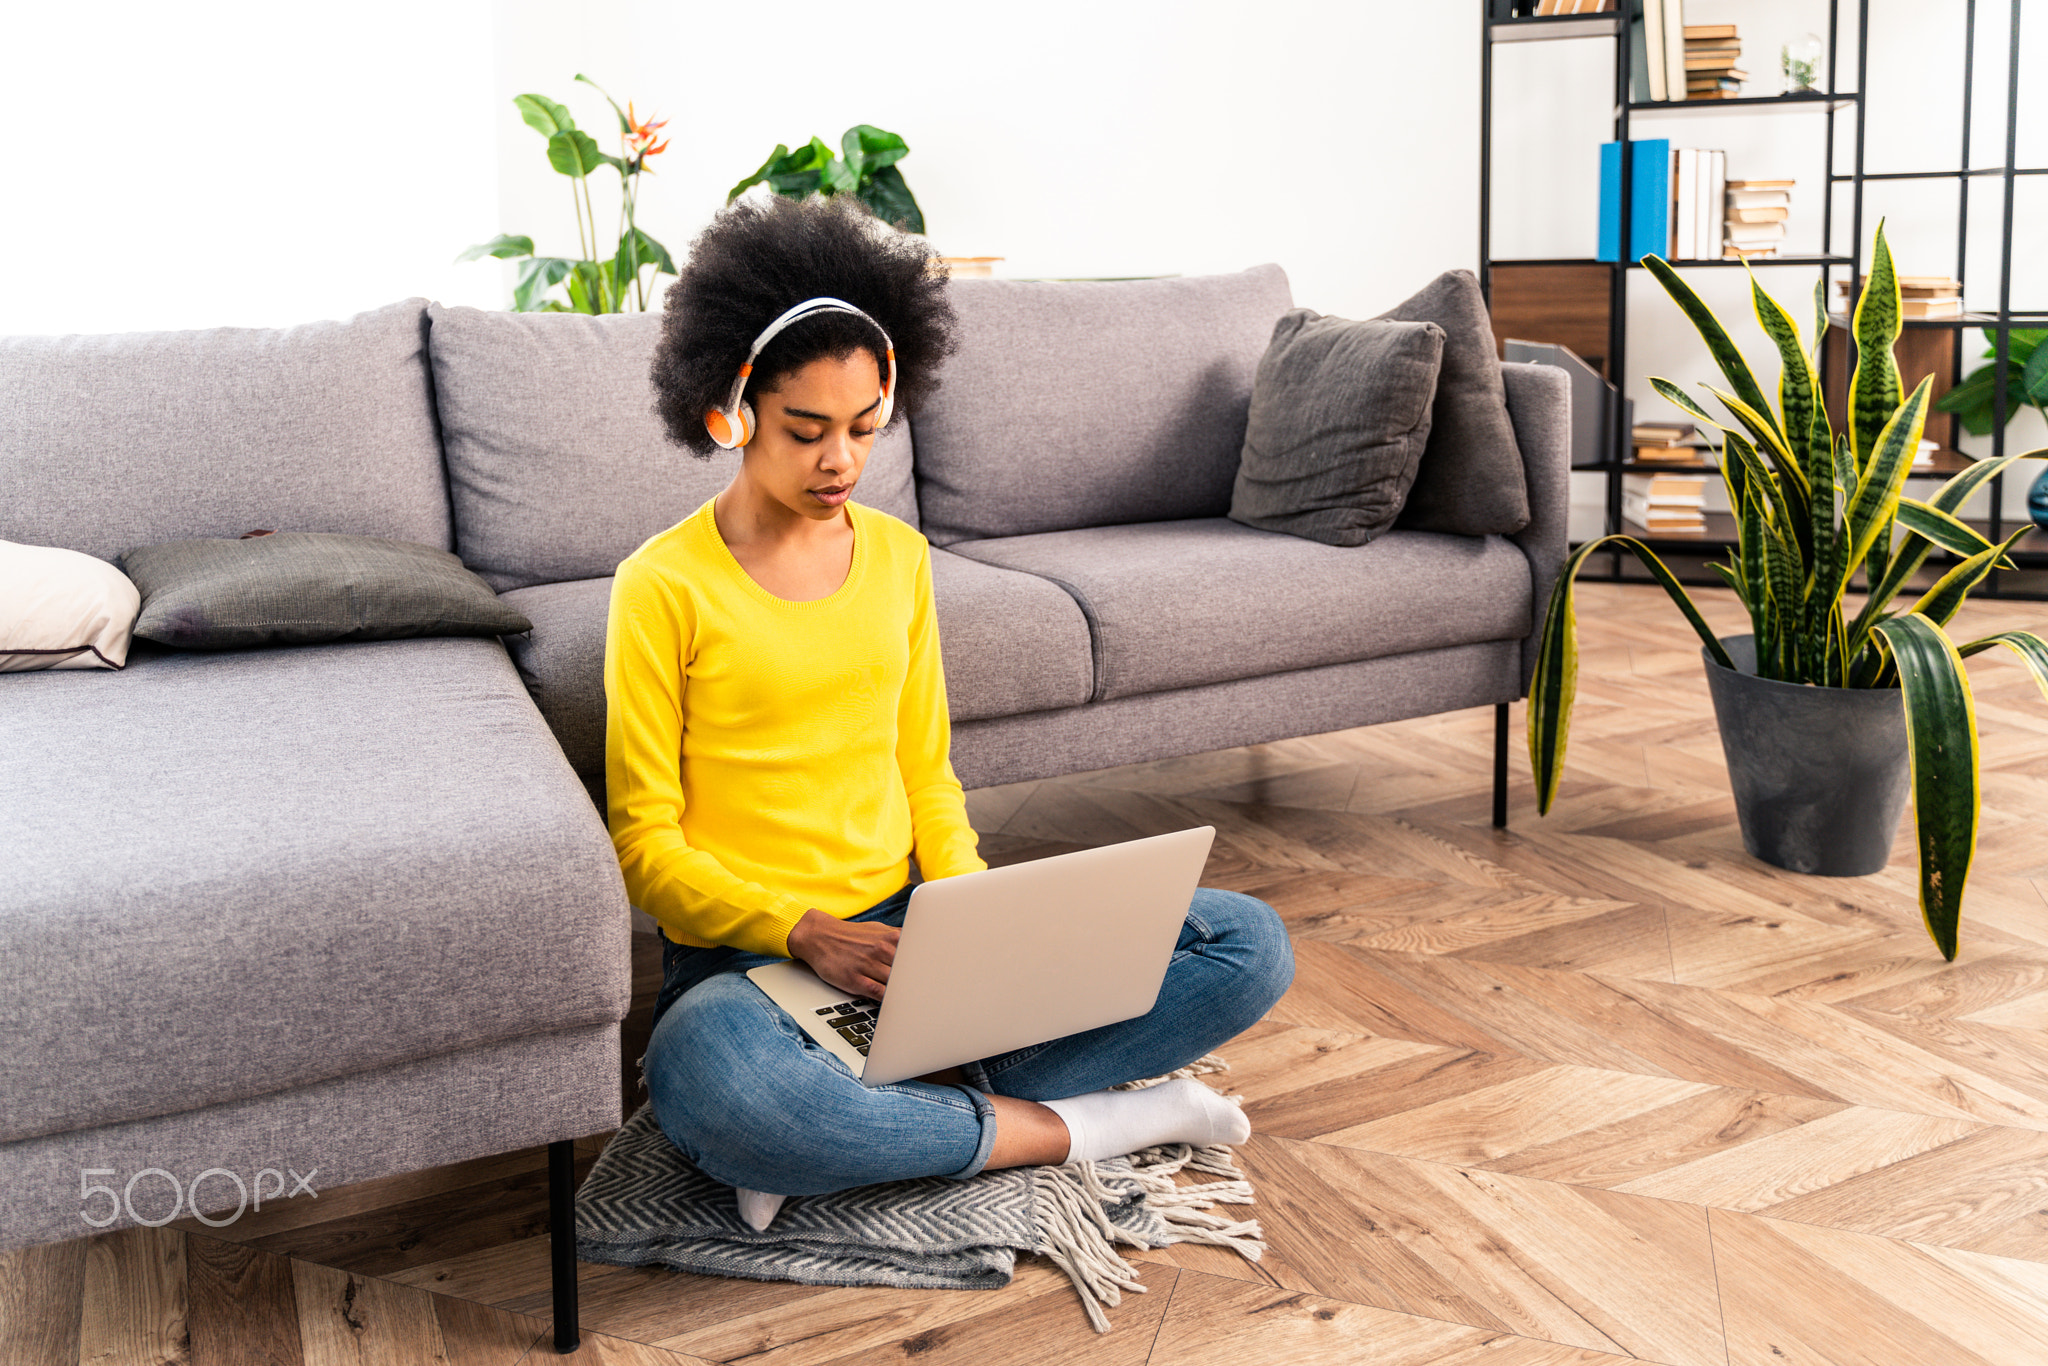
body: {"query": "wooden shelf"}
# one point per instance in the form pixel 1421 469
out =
pixel 1946 463
pixel 1511 263
pixel 1965 320
pixel 1551 27
pixel 2030 553
pixel 1719 534
pixel 1746 104
pixel 1755 261
pixel 1703 465
pixel 1585 304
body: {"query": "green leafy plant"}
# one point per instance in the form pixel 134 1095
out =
pixel 1812 508
pixel 866 169
pixel 1800 74
pixel 2026 381
pixel 594 283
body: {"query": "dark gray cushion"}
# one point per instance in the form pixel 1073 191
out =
pixel 1086 404
pixel 130 439
pixel 1176 604
pixel 557 465
pixel 255 870
pixel 1470 480
pixel 303 587
pixel 1339 414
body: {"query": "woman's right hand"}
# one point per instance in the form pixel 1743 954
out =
pixel 852 955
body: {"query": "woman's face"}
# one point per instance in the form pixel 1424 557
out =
pixel 815 433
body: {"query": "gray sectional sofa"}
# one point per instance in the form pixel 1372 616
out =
pixel 351 909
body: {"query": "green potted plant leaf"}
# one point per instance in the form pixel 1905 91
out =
pixel 866 169
pixel 1975 400
pixel 2026 381
pixel 594 283
pixel 1826 709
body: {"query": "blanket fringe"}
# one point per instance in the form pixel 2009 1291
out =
pixel 1079 1238
pixel 1075 1234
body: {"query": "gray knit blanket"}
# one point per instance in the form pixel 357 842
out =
pixel 645 1204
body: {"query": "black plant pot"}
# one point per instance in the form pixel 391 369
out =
pixel 1821 775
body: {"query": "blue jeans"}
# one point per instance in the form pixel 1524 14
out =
pixel 754 1102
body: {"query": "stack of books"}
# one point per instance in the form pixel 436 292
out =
pixel 1544 7
pixel 1675 201
pixel 1699 177
pixel 1664 443
pixel 1656 40
pixel 1710 70
pixel 1920 296
pixel 1665 502
pixel 1757 210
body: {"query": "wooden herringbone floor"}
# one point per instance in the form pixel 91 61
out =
pixel 1600 1088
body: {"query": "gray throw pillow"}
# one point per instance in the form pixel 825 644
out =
pixel 300 587
pixel 1471 480
pixel 1339 414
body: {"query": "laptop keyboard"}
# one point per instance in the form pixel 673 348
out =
pixel 853 1021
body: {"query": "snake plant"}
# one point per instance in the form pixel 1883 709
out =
pixel 1812 508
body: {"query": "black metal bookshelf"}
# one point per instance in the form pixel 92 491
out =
pixel 1501 25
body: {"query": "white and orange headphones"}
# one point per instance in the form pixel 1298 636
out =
pixel 733 425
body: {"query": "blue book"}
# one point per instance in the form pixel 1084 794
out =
pixel 1650 199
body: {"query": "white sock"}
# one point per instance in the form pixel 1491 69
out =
pixel 758 1207
pixel 1104 1124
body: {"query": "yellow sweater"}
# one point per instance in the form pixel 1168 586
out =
pixel 765 756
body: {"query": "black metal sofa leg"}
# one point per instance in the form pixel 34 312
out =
pixel 1500 766
pixel 562 1240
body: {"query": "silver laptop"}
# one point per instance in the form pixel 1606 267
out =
pixel 1000 960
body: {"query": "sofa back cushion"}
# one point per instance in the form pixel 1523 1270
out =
pixel 557 463
pixel 1470 481
pixel 1077 404
pixel 129 439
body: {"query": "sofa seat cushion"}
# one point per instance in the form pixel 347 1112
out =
pixel 1179 604
pixel 1011 642
pixel 228 874
pixel 561 660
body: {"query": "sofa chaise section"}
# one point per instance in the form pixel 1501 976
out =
pixel 342 908
pixel 240 874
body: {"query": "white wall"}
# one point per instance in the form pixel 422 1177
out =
pixel 1073 138
pixel 259 164
pixel 241 163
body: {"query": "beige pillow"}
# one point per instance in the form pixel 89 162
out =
pixel 60 609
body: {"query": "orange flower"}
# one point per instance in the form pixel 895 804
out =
pixel 640 141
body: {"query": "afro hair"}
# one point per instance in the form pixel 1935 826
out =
pixel 760 258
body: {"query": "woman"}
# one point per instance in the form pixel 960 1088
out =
pixel 777 750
